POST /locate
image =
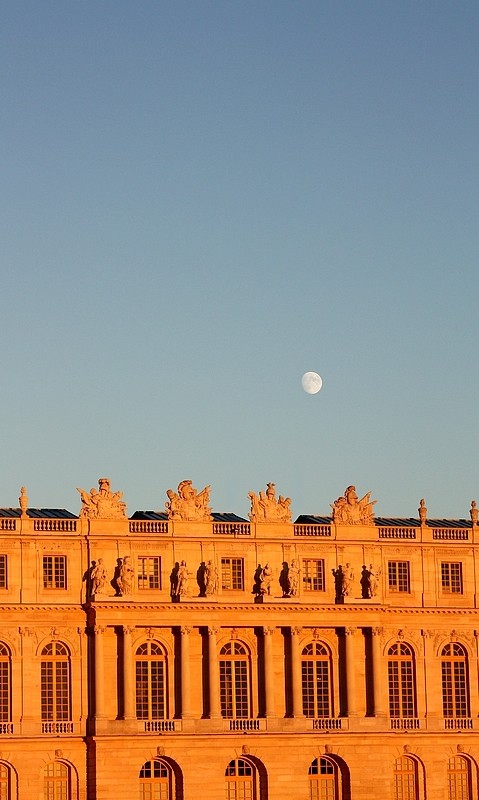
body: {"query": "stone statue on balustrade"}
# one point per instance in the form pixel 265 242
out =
pixel 289 578
pixel 182 580
pixel 349 510
pixel 422 511
pixel 102 504
pixel 211 579
pixel 343 581
pixel 266 508
pixel 98 577
pixel 126 578
pixel 266 580
pixel 189 505
pixel 370 581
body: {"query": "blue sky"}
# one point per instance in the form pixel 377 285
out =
pixel 203 200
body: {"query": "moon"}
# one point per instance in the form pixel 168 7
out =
pixel 311 382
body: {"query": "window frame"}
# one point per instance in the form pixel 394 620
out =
pixel 402 688
pixel 148 576
pixel 55 683
pixel 455 684
pixel 156 684
pixel 232 574
pixel 399 576
pixel 54 571
pixel 3 571
pixel 235 681
pixel 451 578
pixel 310 577
pixel 316 681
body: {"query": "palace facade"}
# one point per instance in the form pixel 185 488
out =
pixel 185 654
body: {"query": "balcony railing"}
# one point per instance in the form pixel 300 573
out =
pixel 404 724
pixel 8 524
pixel 458 724
pixel 392 532
pixel 148 526
pixel 327 724
pixel 57 727
pixel 6 728
pixel 159 726
pixel 232 528
pixel 312 530
pixel 245 725
pixel 458 534
pixel 62 525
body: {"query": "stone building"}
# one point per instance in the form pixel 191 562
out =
pixel 186 654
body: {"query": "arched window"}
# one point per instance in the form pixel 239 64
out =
pixel 5 686
pixel 5 782
pixel 459 779
pixel 150 664
pixel 402 681
pixel 156 781
pixel 56 781
pixel 323 780
pixel 455 683
pixel 234 681
pixel 241 780
pixel 405 779
pixel 316 681
pixel 55 683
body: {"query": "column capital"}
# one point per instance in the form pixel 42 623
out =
pixel 99 629
pixel 185 630
pixel 128 630
pixel 350 631
pixel 212 630
pixel 296 630
pixel 268 630
pixel 377 631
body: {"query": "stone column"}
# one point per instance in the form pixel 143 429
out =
pixel 268 670
pixel 376 665
pixel 213 674
pixel 185 673
pixel 129 689
pixel 98 631
pixel 296 682
pixel 350 673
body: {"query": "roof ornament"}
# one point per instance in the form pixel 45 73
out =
pixel 23 502
pixel 102 504
pixel 266 508
pixel 422 511
pixel 189 505
pixel 349 510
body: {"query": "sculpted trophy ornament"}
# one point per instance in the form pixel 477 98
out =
pixel 266 508
pixel 189 505
pixel 349 510
pixel 102 504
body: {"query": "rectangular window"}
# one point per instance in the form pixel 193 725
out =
pixel 232 573
pixel 149 572
pixel 451 577
pixel 398 576
pixel 54 572
pixel 3 572
pixel 313 574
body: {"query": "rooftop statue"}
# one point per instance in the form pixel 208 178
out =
pixel 102 504
pixel 189 505
pixel 348 510
pixel 265 507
